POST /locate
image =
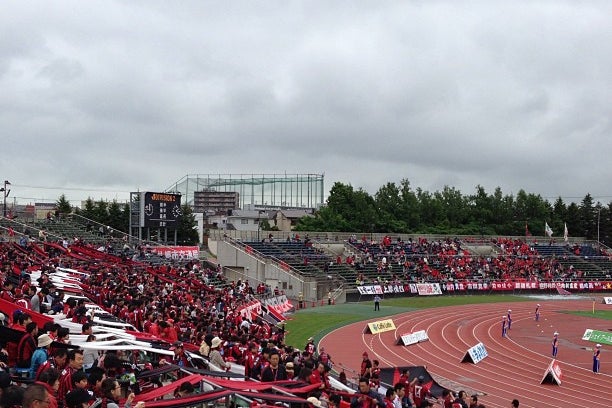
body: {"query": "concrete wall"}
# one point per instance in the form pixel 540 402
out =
pixel 240 265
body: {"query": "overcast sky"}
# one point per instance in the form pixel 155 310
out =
pixel 101 98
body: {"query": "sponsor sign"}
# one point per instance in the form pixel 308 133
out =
pixel 177 252
pixel 597 336
pixel 553 374
pixel 607 300
pixel 475 354
pixel 380 326
pixel 408 339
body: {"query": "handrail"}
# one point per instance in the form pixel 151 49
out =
pixel 132 238
pixel 23 225
pixel 14 233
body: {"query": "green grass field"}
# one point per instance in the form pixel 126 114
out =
pixel 599 314
pixel 320 320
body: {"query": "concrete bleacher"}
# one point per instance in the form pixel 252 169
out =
pixel 66 228
pixel 586 259
pixel 304 258
pixel 441 259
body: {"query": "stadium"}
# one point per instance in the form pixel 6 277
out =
pixel 179 327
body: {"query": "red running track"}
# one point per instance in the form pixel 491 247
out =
pixel 515 365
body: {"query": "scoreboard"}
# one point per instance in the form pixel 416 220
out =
pixel 160 210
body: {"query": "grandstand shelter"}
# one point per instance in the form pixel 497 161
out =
pixel 221 192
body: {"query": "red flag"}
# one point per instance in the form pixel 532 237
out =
pixel 11 232
pixel 396 376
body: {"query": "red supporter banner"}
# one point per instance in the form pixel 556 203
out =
pixel 177 252
pixel 504 285
pixel 379 289
pixel 251 309
pixel 500 285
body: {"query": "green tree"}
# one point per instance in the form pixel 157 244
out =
pixel 100 212
pixel 502 219
pixel 573 220
pixel 389 206
pixel 63 205
pixel 481 206
pixel 560 210
pixel 431 211
pixel 325 219
pixel 187 229
pixel 587 217
pixel 116 217
pixel 454 206
pixel 88 210
pixel 409 207
pixel 358 208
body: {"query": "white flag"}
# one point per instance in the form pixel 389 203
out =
pixel 547 229
pixel 565 233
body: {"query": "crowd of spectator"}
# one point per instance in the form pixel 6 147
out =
pixel 421 260
pixel 177 303
pixel 173 302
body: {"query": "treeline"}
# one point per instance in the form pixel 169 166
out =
pixel 400 209
pixel 117 216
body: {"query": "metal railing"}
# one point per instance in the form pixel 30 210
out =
pixel 290 270
pixel 26 229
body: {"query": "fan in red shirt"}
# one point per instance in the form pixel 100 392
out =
pixel 57 362
pixel 319 376
pixel 75 363
pixel 366 366
pixel 27 345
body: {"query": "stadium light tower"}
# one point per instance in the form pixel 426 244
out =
pixel 5 194
pixel 598 219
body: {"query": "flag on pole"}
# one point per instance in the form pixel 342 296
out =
pixel 547 229
pixel 565 233
pixel 527 233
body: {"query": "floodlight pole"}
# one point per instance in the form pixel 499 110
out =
pixel 5 194
pixel 598 219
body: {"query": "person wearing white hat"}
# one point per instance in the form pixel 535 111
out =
pixel 555 344
pixel 504 326
pixel 537 313
pixel 509 318
pixel 314 402
pixel 215 356
pixel 41 354
pixel 596 354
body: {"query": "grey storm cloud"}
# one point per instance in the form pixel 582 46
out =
pixel 117 96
